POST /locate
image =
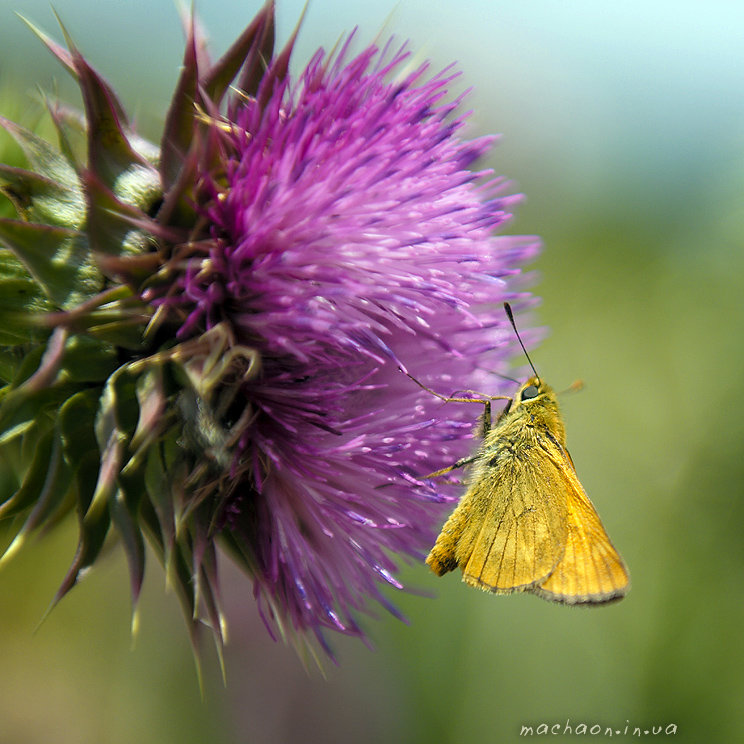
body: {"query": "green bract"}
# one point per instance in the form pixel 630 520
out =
pixel 96 397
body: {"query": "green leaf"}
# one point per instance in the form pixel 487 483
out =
pixel 40 199
pixel 250 51
pixel 182 581
pixel 11 357
pixel 208 596
pixel 47 160
pixel 76 424
pixel 124 512
pixel 180 123
pixel 114 423
pixel 34 479
pixel 254 62
pixel 176 558
pixel 86 359
pixel 94 524
pixel 53 502
pixel 43 491
pixel 19 412
pixel 117 223
pixel 95 518
pixel 126 334
pixel 27 366
pixel 21 303
pixel 36 392
pixel 161 501
pixel 49 376
pixel 152 412
pixel 58 258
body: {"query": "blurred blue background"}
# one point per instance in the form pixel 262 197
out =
pixel 623 124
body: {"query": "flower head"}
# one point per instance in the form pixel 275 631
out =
pixel 240 305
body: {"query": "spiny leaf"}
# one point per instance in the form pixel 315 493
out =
pixel 160 499
pixel 19 412
pixel 109 150
pixel 251 51
pixel 67 123
pixel 76 422
pixel 33 482
pixel 37 198
pixel 43 491
pixel 29 365
pixel 119 227
pixel 58 259
pixel 180 121
pixel 95 520
pixel 205 568
pixel 47 377
pixel 11 357
pixel 280 66
pixel 259 55
pixel 47 372
pixel 53 501
pixel 178 203
pixel 152 401
pixel 59 52
pixel 86 359
pixel 47 159
pixel 113 429
pixel 21 304
pixel 125 513
pixel 210 600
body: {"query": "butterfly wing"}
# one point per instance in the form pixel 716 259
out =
pixel 591 571
pixel 516 527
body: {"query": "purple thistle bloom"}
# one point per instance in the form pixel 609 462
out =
pixel 338 237
pixel 349 238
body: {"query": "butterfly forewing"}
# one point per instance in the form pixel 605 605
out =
pixel 521 537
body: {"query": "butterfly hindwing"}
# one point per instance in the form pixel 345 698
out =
pixel 591 570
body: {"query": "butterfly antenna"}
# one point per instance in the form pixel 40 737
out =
pixel 504 377
pixel 574 387
pixel 510 315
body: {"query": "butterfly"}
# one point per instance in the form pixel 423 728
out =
pixel 525 523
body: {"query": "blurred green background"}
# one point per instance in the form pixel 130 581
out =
pixel 624 126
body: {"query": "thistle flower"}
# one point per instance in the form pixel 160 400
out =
pixel 204 342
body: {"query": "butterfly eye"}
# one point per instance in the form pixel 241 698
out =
pixel 529 392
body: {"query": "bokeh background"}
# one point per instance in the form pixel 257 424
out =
pixel 623 123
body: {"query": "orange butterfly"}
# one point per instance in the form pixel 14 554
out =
pixel 525 524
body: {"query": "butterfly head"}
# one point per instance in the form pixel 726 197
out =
pixel 537 401
pixel 533 391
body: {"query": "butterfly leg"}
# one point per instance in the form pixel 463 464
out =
pixel 485 399
pixel 459 464
pixel 486 427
